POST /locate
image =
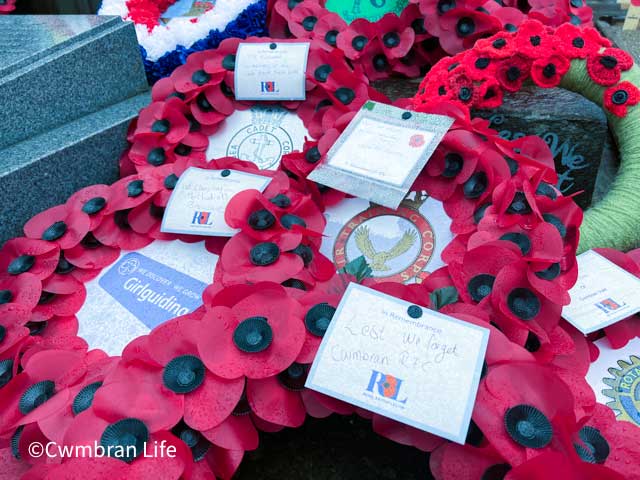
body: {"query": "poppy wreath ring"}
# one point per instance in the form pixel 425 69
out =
pixel 576 59
pixel 207 382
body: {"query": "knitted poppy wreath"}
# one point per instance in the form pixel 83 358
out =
pixel 169 30
pixel 408 41
pixel 207 382
pixel 577 59
pixel 197 103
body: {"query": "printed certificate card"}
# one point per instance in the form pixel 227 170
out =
pixel 142 290
pixel 271 71
pixel 604 294
pixel 381 152
pixel 403 361
pixel 198 201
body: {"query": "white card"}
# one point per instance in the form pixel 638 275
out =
pixel 198 201
pixel 262 135
pixel 405 362
pixel 143 289
pixel 604 294
pixel 271 71
pixel 402 245
pixel 615 379
pixel 381 152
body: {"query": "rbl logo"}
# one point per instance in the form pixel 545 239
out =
pixel 608 305
pixel 268 87
pixel 201 218
pixel 386 386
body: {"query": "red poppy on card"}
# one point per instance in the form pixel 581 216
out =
pixel 605 67
pixel 618 98
pixel 21 255
pixel 257 333
pixel 163 121
pixel 193 77
pixel 246 259
pixel 547 71
pixel 60 225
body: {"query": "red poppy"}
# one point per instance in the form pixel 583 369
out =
pixel 533 41
pixel 164 121
pixel 500 45
pixel 91 201
pixel 196 75
pixel 396 36
pixel 621 96
pixel 21 255
pixel 513 71
pixel 580 42
pixel 605 67
pixel 547 72
pixel 326 31
pixel 254 331
pixel 303 19
pixel 60 225
pixel 462 26
pixel 356 38
pixel 20 292
pixel 466 462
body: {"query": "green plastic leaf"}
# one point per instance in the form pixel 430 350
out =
pixel 443 296
pixel 359 268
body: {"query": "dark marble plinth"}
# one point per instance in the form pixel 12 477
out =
pixel 54 69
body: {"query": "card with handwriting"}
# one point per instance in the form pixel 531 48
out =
pixel 271 71
pixel 198 202
pixel 381 152
pixel 604 294
pixel 402 361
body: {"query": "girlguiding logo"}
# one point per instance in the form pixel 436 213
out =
pixel 386 386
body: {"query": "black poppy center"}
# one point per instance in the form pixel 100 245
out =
pixel 309 23
pixel 513 73
pixel 161 126
pixel 445 5
pixel 482 63
pixel 520 239
pixel 578 42
pixel 183 374
pixel 535 40
pixel 261 219
pixel 556 222
pixel 359 42
pixel 84 398
pixel 380 63
pixel 183 150
pixel 264 254
pixel 549 273
pixel 391 39
pixel 453 163
pixel 125 439
pixel 596 444
pixel 318 318
pixel 94 205
pixel 5 297
pixel 331 37
pixel 519 204
pixel 294 377
pixel 6 372
pixel 253 335
pixel 345 95
pixel 305 253
pixel 496 472
pixel 475 186
pixel 229 62
pixel 523 303
pixel 21 264
pixel 281 201
pixel 322 73
pixel 546 190
pixel 200 77
pixel 465 94
pixel 134 189
pixel 528 426
pixel 480 286
pixel 288 220
pixel 54 231
pixel 499 43
pixel 36 395
pixel 156 156
pixel 465 26
pixel 549 71
pixel 203 103
pixel 608 62
pixel 620 97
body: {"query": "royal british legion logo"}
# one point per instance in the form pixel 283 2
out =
pixel 201 218
pixel 268 87
pixel 608 305
pixel 385 385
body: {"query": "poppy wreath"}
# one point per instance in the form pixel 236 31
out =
pixel 165 43
pixel 7 6
pixel 425 31
pixel 576 59
pixel 206 383
pixel 190 105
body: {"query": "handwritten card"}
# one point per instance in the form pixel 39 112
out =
pixel 198 202
pixel 271 71
pixel 403 361
pixel 604 294
pixel 381 152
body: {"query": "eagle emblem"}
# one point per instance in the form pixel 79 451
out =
pixel 378 260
